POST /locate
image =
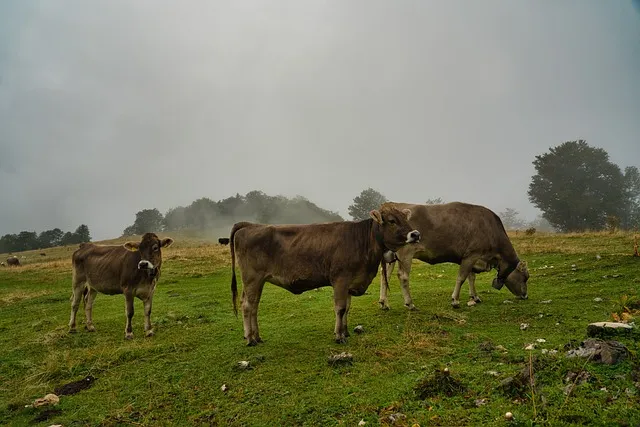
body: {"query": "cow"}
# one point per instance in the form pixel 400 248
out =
pixel 132 269
pixel 223 240
pixel 471 236
pixel 13 261
pixel 345 255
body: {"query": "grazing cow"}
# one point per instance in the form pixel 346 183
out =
pixel 471 236
pixel 344 255
pixel 13 261
pixel 43 254
pixel 132 269
pixel 223 240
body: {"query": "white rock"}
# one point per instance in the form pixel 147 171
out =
pixel 541 340
pixel 508 416
pixel 530 347
pixel 524 326
pixel 224 387
pixel 597 299
pixel 471 303
pixel 598 257
pixel 507 302
pixel 362 422
pixel 548 301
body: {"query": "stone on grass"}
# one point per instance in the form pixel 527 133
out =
pixel 343 358
pixel 598 351
pixel 49 399
pixel 608 329
pixel 358 329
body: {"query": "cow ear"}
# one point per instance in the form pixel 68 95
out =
pixel 377 217
pixel 132 246
pixel 166 242
pixel 407 212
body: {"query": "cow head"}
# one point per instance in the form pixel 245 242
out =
pixel 150 252
pixel 394 230
pixel 516 281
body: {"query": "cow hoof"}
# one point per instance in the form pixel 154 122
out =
pixel 128 336
pixel 341 340
pixel 252 343
pixel 149 333
pixel 73 331
pixel 90 328
pixel 411 307
pixel 383 305
pixel 455 304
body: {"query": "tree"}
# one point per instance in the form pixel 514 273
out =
pixel 364 203
pixel 69 238
pixel 434 201
pixel 576 187
pixel 174 219
pixel 82 234
pixel 147 221
pixel 541 224
pixel 50 238
pixel 511 220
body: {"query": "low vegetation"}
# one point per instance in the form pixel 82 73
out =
pixel 434 366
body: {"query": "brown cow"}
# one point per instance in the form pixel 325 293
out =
pixel 223 240
pixel 344 255
pixel 132 269
pixel 13 261
pixel 471 236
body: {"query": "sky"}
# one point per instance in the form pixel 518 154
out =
pixel 112 106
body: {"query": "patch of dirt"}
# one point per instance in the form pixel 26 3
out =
pixel 75 386
pixel 441 382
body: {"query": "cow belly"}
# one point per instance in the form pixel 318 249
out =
pixel 105 287
pixel 300 285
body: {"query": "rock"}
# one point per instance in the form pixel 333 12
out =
pixel 362 422
pixel 394 418
pixel 358 329
pixel 224 388
pixel 508 416
pixel 597 299
pixel 548 301
pixel 486 346
pixel 493 373
pixel 574 379
pixel 501 348
pixel 608 329
pixel 481 402
pixel 49 399
pixel 607 352
pixel 471 303
pixel 598 257
pixel 541 340
pixel 530 347
pixel 524 326
pixel 244 365
pixel 343 358
pixel 507 302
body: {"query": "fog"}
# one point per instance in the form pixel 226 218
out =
pixel 110 107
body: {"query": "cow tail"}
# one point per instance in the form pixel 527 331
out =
pixel 384 273
pixel 234 282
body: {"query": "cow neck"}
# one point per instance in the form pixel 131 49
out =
pixel 378 236
pixel 504 273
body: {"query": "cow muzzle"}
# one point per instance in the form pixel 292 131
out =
pixel 413 236
pixel 145 265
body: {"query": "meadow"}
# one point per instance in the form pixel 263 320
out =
pixel 177 376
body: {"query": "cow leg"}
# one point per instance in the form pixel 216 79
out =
pixel 254 315
pixel 340 304
pixel 250 299
pixel 384 284
pixel 473 296
pixel 344 317
pixel 465 268
pixel 404 270
pixel 88 309
pixel 128 302
pixel 148 301
pixel 76 296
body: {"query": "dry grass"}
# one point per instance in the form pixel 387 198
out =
pixel 19 295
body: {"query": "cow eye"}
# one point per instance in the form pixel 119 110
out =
pixel 155 248
pixel 392 221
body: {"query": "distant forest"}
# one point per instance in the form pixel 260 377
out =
pixel 206 215
pixel 30 240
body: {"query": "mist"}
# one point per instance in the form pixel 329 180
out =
pixel 111 107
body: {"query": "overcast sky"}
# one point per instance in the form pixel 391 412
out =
pixel 113 106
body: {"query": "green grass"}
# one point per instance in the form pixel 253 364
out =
pixel 174 378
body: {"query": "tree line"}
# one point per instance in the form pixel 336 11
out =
pixel 30 240
pixel 206 214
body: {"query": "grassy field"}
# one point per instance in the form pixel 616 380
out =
pixel 175 377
